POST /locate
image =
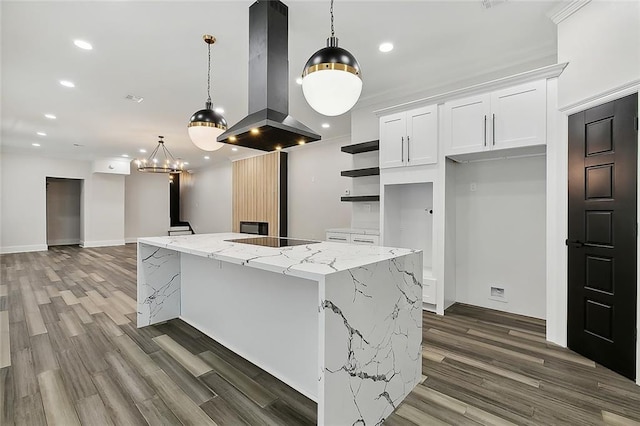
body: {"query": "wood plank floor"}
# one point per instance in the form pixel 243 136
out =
pixel 70 353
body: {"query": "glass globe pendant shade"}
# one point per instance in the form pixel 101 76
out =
pixel 204 128
pixel 331 80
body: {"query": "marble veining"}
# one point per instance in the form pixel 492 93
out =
pixel 312 261
pixel 374 328
pixel 369 312
pixel 158 284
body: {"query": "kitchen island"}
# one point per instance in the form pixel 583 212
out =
pixel 340 323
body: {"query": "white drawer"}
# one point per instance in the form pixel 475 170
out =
pixel 429 290
pixel 372 240
pixel 338 237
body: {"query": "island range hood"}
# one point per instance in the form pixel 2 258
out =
pixel 268 126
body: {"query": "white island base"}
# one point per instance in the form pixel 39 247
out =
pixel 341 324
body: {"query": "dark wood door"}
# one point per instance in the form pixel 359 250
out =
pixel 602 234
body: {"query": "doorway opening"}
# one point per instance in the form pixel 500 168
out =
pixel 64 212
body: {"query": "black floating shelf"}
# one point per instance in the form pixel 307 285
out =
pixel 371 171
pixel 361 198
pixel 361 147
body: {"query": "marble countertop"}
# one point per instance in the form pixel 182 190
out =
pixel 311 261
pixel 362 231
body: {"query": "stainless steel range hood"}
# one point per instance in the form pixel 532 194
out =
pixel 268 125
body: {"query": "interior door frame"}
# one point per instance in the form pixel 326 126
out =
pixel 558 213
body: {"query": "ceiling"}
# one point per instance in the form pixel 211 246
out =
pixel 154 49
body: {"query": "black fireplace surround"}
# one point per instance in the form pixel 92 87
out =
pixel 257 228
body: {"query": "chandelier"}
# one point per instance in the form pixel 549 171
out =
pixel 160 161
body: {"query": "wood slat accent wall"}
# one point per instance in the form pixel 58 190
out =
pixel 258 191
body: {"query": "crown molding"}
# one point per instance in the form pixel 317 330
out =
pixel 550 71
pixel 566 9
pixel 602 97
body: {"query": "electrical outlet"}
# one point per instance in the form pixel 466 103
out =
pixel 497 294
pixel 473 187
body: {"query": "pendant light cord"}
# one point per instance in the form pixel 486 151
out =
pixel 331 10
pixel 209 75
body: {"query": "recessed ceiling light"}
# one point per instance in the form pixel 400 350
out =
pixel 35 144
pixel 232 139
pixel 186 163
pixel 234 149
pixel 41 134
pixel 134 98
pixel 255 131
pixel 143 150
pixel 206 157
pixel 326 125
pixel 50 116
pixel 219 110
pixel 67 83
pixel 278 148
pixel 386 47
pixel 84 45
pixel 125 155
pixel 299 80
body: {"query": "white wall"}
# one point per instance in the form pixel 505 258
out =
pixel 315 188
pixel 500 234
pixel 23 219
pixel 601 42
pixel 63 211
pixel 407 221
pixel 206 198
pixel 146 205
pixel 107 209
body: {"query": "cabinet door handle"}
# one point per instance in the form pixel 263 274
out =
pixel 485 130
pixel 363 241
pixel 408 146
pixel 337 239
pixel 493 129
pixel 402 149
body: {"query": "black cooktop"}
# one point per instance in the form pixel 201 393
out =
pixel 272 241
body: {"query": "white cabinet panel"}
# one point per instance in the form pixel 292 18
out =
pixel 338 237
pixel 519 115
pixel 429 290
pixel 422 136
pixel 392 140
pixel 409 138
pixel 514 117
pixel 372 240
pixel 466 124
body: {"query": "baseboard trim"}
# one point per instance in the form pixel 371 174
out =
pixel 23 249
pixel 63 242
pixel 130 240
pixel 105 243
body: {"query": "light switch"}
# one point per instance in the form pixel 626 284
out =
pixel 473 187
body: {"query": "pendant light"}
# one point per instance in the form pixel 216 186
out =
pixel 332 80
pixel 206 125
pixel 153 164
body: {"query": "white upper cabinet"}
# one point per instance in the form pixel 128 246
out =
pixel 466 122
pixel 393 132
pixel 509 118
pixel 409 138
pixel 520 115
